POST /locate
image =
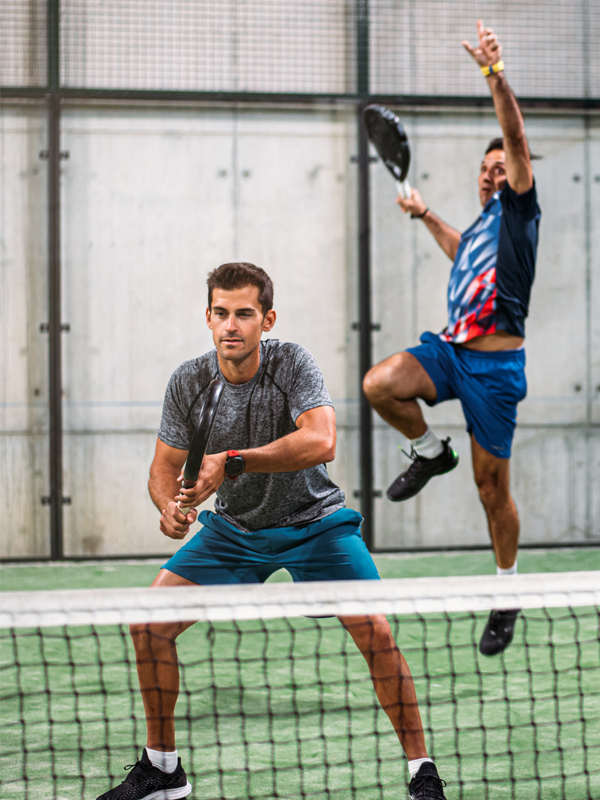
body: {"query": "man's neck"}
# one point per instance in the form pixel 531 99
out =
pixel 238 372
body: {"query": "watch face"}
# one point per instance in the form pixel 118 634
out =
pixel 234 465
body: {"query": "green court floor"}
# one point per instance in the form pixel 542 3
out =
pixel 286 709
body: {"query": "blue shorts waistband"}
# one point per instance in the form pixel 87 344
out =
pixel 492 355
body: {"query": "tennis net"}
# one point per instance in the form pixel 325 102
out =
pixel 276 701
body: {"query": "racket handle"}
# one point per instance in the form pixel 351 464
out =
pixel 404 190
pixel 186 485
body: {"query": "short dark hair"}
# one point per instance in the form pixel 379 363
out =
pixel 237 275
pixel 495 144
pixel 498 144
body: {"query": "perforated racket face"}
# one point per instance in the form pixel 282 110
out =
pixel 203 430
pixel 389 139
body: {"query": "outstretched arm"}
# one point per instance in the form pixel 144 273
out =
pixel 487 54
pixel 447 237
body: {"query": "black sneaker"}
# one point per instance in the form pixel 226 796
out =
pixel 499 631
pixel 147 782
pixel 427 784
pixel 410 483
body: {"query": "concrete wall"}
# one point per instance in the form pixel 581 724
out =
pixel 150 204
pixel 154 198
pixel 24 521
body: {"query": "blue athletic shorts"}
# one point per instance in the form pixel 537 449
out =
pixel 331 549
pixel 488 384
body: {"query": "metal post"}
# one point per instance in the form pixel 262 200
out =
pixel 364 279
pixel 54 286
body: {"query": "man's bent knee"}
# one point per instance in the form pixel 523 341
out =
pixel 493 492
pixel 384 379
pixel 399 377
pixel 376 384
pixel 370 632
pixel 153 635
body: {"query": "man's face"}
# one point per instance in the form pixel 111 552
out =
pixel 492 175
pixel 236 321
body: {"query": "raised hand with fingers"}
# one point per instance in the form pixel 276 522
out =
pixel 489 51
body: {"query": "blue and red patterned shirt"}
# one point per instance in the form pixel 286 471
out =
pixel 490 280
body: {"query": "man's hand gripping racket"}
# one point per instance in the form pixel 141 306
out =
pixel 197 450
pixel 391 142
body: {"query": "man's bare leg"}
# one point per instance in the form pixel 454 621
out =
pixel 392 388
pixel 492 476
pixel 392 680
pixel 158 670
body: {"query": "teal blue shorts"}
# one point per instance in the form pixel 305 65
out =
pixel 331 549
pixel 489 384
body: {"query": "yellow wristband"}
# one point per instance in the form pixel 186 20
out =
pixel 491 70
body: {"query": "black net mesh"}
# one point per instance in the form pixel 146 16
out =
pixel 284 707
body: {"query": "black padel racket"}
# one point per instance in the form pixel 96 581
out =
pixel 391 142
pixel 206 420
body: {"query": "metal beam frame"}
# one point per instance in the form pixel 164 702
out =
pixel 54 286
pixel 290 98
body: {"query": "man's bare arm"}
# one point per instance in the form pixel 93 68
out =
pixel 519 172
pixel 313 443
pixel 163 485
pixel 165 469
pixel 445 235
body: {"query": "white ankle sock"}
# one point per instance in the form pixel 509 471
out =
pixel 415 765
pixel 167 762
pixel 510 571
pixel 428 445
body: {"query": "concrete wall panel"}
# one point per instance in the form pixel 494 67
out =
pixel 554 473
pixel 593 250
pixel 151 205
pixel 25 521
pixel 23 347
pixel 147 208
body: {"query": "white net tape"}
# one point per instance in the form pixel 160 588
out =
pixel 270 601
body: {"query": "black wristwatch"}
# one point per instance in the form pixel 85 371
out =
pixel 234 464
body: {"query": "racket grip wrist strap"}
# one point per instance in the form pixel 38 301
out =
pixel 493 69
pixel 420 216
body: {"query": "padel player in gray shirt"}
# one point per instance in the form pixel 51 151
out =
pixel 276 507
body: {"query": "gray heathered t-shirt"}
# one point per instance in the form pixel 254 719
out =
pixel 288 383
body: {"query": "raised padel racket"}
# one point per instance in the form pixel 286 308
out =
pixel 197 450
pixel 391 142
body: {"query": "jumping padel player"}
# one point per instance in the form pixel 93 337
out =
pixel 479 356
pixel 275 507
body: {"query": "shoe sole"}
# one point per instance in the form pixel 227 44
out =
pixel 170 794
pixel 420 489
